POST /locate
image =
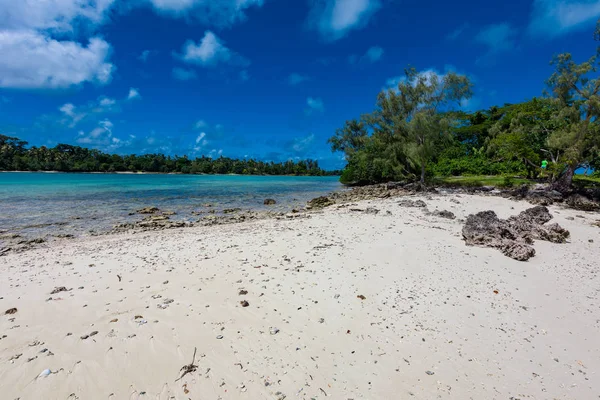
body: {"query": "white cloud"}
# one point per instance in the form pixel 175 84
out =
pixel 296 79
pixel 200 138
pixel 107 102
pixel 100 137
pixel 72 116
pixel 551 18
pixel 214 12
pixel 31 60
pixel 201 142
pixel 54 15
pixel 200 124
pixel 183 74
pixel 133 94
pixel 314 105
pixel 209 52
pixel 335 18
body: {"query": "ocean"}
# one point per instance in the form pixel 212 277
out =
pixel 35 205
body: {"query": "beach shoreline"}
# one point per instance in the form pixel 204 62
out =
pixel 367 299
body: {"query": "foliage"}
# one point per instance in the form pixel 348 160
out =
pixel 15 156
pixel 408 127
pixel 414 134
pixel 576 139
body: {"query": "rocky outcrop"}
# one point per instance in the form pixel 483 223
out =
pixel 320 202
pixel 443 214
pixel 269 202
pixel 579 202
pixel 148 210
pixel 412 203
pixel 514 236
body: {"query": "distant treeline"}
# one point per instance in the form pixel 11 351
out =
pixel 15 155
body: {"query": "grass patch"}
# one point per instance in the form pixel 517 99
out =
pixel 503 181
pixel 586 181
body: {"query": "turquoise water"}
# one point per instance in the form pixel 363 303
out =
pixel 37 204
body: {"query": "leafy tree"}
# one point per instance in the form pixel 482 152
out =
pixel 576 139
pixel 405 131
pixel 522 132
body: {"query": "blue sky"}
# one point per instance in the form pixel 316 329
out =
pixel 270 79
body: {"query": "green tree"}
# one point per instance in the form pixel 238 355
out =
pixel 401 137
pixel 522 133
pixel 576 139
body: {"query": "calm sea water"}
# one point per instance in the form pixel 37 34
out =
pixel 38 204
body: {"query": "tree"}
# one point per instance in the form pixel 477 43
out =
pixel 405 131
pixel 576 139
pixel 522 132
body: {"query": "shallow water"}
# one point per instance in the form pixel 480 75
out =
pixel 41 204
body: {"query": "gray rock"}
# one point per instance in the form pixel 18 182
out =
pixel 513 236
pixel 412 203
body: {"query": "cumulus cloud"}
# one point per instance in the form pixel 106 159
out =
pixel 65 15
pixel 333 19
pixel 183 74
pixel 31 60
pixel 107 102
pixel 54 15
pixel 71 115
pixel 315 105
pixel 551 18
pixel 100 137
pixel 133 94
pixel 35 53
pixel 209 52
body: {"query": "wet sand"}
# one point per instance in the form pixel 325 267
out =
pixel 345 303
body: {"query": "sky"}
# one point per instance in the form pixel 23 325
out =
pixel 267 79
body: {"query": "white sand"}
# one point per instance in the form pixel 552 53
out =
pixel 430 306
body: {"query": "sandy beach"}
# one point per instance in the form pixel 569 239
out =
pixel 344 303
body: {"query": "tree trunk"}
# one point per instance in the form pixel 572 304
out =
pixel 423 173
pixel 563 183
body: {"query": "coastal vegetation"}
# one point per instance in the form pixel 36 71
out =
pixel 418 131
pixel 15 155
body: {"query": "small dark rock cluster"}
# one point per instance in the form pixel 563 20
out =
pixel 320 202
pixel 515 235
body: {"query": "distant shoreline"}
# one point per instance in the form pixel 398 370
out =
pixel 156 173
